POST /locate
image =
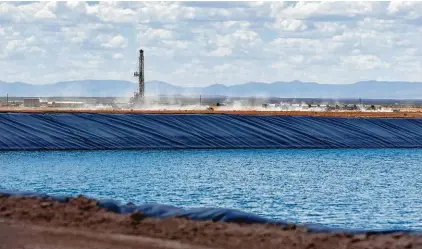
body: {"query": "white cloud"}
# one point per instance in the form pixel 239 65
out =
pixel 74 35
pixel 203 43
pixel 13 45
pixel 117 41
pixel 224 68
pixel 297 59
pixel 112 12
pixel 21 48
pixel 222 51
pixel 118 56
pixel 78 6
pixel 310 10
pixel 330 27
pixel 232 24
pixel 177 44
pixel 241 37
pixel 45 14
pixel 364 62
pixel 409 10
pixel 290 25
pixel 306 46
pixel 152 34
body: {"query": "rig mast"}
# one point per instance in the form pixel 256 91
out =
pixel 140 96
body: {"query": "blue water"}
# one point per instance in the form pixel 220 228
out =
pixel 363 189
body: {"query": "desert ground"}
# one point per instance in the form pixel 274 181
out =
pixel 33 222
pixel 411 113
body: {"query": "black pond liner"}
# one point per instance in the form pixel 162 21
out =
pixel 94 131
pixel 200 214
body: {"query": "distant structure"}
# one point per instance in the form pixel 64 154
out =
pixel 31 102
pixel 65 104
pixel 139 97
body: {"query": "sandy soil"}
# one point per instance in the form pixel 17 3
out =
pixel 41 223
pixel 17 235
pixel 408 114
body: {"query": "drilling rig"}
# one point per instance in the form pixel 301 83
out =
pixel 139 97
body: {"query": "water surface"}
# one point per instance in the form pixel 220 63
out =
pixel 347 188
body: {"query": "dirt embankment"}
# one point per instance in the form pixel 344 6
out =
pixel 40 223
pixel 356 114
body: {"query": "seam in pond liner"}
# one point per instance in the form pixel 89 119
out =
pixel 93 131
pixel 201 214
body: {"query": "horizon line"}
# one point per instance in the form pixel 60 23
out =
pixel 268 83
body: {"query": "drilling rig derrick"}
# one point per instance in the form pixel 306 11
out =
pixel 139 97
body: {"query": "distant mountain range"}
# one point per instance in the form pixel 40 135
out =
pixel 294 89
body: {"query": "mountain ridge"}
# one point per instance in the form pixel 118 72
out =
pixel 292 89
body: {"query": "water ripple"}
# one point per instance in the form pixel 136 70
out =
pixel 346 188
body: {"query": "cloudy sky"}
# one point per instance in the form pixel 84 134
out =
pixel 201 43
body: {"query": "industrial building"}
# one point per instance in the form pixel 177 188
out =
pixel 66 104
pixel 31 102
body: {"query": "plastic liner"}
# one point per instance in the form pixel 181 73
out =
pixel 200 214
pixel 88 131
pixel 9 193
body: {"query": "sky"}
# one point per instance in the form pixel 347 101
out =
pixel 202 43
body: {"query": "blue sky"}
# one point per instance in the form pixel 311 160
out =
pixel 201 43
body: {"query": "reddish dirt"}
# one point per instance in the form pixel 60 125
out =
pixel 40 223
pixel 15 235
pixel 356 114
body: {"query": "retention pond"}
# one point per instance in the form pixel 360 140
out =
pixel 345 188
